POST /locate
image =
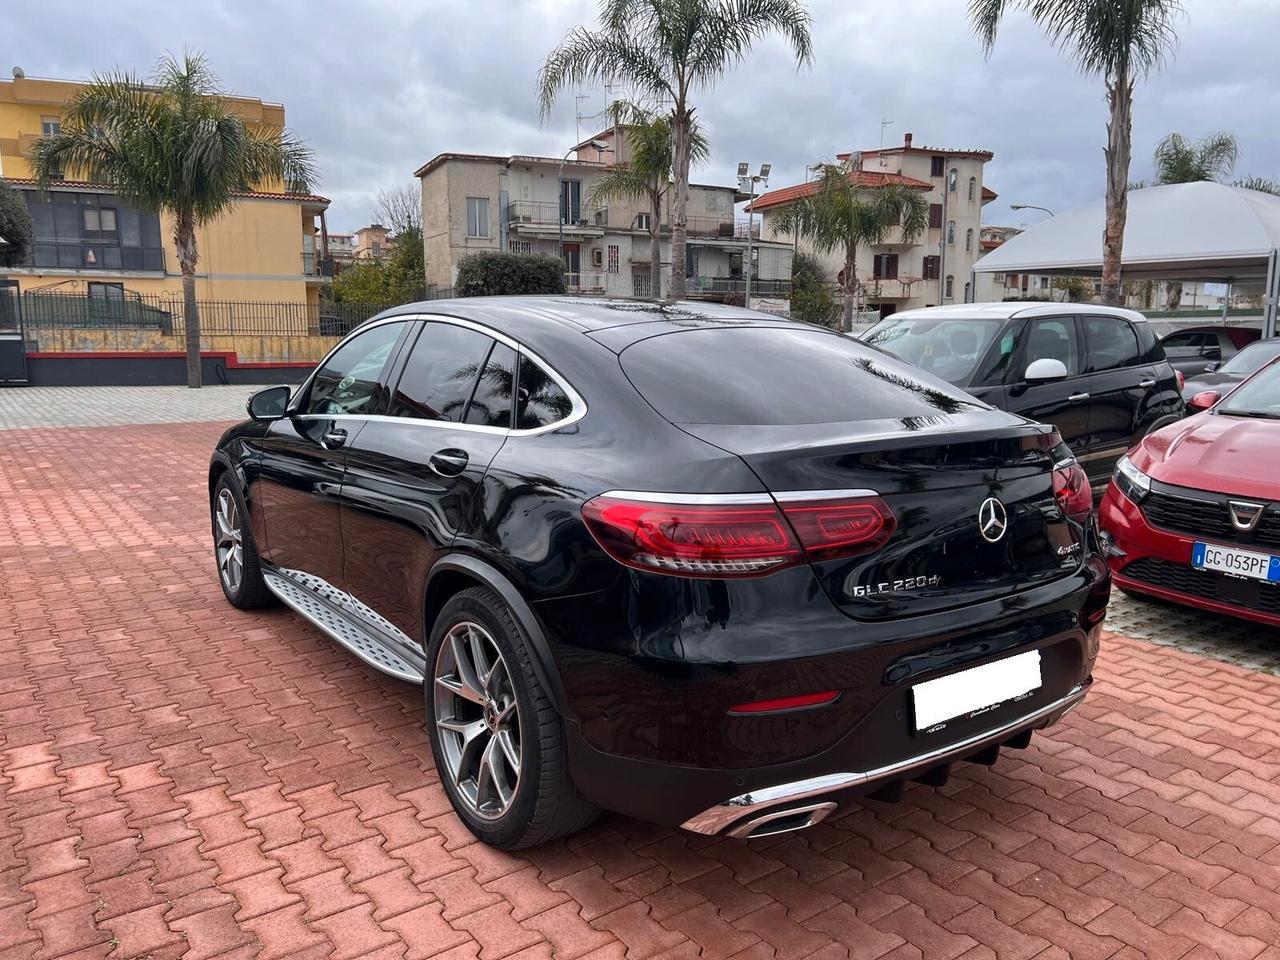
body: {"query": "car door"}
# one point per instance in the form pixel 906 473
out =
pixel 303 456
pixel 1119 384
pixel 1063 403
pixel 413 476
pixel 1192 350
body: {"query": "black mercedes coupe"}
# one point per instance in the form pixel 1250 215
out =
pixel 688 562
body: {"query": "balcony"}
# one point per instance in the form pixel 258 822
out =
pixel 544 213
pixel 585 282
pixel 723 228
pixel 316 268
pixel 98 256
pixel 720 287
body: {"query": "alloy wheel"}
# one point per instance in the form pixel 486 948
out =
pixel 477 719
pixel 229 540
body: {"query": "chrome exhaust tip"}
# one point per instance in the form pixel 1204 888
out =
pixel 782 821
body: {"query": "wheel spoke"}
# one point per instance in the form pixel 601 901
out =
pixel 479 660
pixel 466 672
pixel 459 689
pixel 509 749
pixel 491 777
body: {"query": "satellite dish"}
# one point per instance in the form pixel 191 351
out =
pixel 19 73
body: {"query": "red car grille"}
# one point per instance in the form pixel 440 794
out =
pixel 1207 516
pixel 1263 597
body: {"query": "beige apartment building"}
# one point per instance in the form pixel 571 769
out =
pixel 478 202
pixel 934 268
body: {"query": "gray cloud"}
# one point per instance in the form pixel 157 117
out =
pixel 378 87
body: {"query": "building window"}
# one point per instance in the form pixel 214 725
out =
pixel 968 240
pixel 92 231
pixel 642 221
pixel 613 258
pixel 884 266
pixel 376 247
pixel 973 189
pixel 936 166
pixel 931 267
pixel 641 282
pixel 935 215
pixel 1044 283
pixel 477 216
pixel 953 178
pixel 950 286
pixel 966 293
pixel 951 231
pixel 523 247
pixel 50 126
pixel 597 257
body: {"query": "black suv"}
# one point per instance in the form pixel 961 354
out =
pixel 686 562
pixel 1098 374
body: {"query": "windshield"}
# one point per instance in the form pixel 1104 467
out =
pixel 947 347
pixel 1252 358
pixel 1256 397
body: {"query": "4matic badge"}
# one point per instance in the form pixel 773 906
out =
pixel 893 586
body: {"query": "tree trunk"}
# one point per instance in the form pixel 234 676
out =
pixel 679 213
pixel 184 238
pixel 1119 148
pixel 1173 295
pixel 655 246
pixel 850 284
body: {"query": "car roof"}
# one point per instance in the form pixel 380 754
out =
pixel 1007 310
pixel 1240 336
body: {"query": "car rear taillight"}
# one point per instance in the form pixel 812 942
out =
pixel 1071 490
pixel 723 537
pixel 1182 379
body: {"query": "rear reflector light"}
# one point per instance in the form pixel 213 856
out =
pixel 1071 490
pixel 787 703
pixel 748 538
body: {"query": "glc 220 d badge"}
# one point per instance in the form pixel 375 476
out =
pixel 893 586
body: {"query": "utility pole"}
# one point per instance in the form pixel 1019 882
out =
pixel 747 184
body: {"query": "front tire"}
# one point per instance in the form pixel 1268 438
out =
pixel 498 742
pixel 234 550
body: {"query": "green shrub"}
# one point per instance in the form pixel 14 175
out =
pixel 496 274
pixel 16 228
pixel 811 299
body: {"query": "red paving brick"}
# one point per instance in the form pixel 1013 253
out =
pixel 178 778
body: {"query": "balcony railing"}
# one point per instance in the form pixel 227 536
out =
pixel 708 286
pixel 548 212
pixel 727 228
pixel 592 281
pixel 93 255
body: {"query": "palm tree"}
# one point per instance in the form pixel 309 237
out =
pixel 1178 160
pixel 839 216
pixel 668 50
pixel 647 173
pixel 1120 41
pixel 1258 183
pixel 172 144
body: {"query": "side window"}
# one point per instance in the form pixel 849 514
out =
pixel 999 356
pixel 539 399
pixel 1112 343
pixel 1184 346
pixel 440 374
pixel 348 381
pixel 1053 338
pixel 491 402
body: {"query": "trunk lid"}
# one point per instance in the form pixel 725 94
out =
pixel 934 474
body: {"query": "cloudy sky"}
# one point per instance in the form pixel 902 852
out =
pixel 380 86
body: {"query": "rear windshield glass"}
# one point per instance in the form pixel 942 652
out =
pixel 947 347
pixel 777 375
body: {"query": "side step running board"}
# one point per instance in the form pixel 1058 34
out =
pixel 331 622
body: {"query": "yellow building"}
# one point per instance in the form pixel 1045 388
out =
pixel 87 241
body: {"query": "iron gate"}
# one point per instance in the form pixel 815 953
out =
pixel 13 345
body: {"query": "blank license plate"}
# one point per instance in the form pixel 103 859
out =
pixel 976 689
pixel 1232 560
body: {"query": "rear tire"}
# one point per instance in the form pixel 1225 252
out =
pixel 499 743
pixel 234 552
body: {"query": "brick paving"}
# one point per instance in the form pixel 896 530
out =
pixel 116 406
pixel 178 778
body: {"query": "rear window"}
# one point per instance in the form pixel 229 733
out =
pixel 777 375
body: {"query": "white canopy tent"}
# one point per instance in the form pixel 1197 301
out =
pixel 1182 231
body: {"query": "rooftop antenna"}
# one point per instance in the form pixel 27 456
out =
pixel 578 115
pixel 883 123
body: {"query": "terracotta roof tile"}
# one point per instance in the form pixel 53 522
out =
pixel 988 194
pixel 868 179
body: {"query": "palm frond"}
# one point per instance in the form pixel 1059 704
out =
pixel 729 29
pixel 619 182
pixel 594 56
pixel 1179 160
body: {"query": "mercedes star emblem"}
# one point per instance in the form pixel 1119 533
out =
pixel 993 521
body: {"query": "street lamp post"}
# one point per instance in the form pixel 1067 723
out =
pixel 747 183
pixel 562 201
pixel 1029 206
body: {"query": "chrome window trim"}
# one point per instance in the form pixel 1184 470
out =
pixel 577 410
pixel 795 496
pixel 732 499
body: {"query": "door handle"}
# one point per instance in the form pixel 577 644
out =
pixel 448 463
pixel 1077 397
pixel 335 437
pixel 1149 382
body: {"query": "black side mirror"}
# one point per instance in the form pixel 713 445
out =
pixel 269 404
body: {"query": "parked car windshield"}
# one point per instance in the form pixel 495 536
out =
pixel 1256 397
pixel 781 375
pixel 1252 358
pixel 947 347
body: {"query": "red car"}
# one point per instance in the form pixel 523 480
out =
pixel 1192 513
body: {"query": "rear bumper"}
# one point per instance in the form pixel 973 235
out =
pixel 751 807
pixel 1156 562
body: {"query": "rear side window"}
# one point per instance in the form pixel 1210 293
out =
pixel 540 401
pixel 491 402
pixel 779 375
pixel 1111 343
pixel 440 374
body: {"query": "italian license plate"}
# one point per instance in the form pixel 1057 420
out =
pixel 975 690
pixel 1237 562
